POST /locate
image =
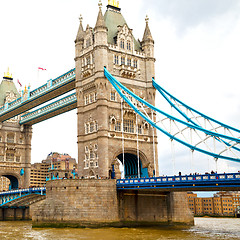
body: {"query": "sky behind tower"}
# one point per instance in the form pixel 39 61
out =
pixel 197 59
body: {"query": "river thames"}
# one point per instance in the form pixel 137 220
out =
pixel 205 228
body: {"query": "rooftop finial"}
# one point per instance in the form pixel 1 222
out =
pixel 7 74
pixel 100 4
pixel 80 18
pixel 147 19
pixel 113 3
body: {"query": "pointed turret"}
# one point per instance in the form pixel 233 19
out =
pixel 100 40
pixel 147 36
pixel 80 34
pixel 148 49
pixel 147 41
pixel 100 19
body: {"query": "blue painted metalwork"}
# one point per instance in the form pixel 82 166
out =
pixel 131 166
pixel 52 107
pixel 164 93
pixel 193 182
pixel 161 90
pixel 50 86
pixel 9 196
pixel 116 84
pixel 22 172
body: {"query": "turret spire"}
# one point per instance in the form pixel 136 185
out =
pixel 147 33
pixel 80 33
pixel 100 20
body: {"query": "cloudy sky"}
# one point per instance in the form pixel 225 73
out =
pixel 197 54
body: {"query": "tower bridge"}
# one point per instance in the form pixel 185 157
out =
pixel 114 93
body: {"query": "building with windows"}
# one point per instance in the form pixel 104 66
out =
pixel 39 173
pixel 221 204
pixel 107 127
pixel 55 165
pixel 15 140
pixel 4 184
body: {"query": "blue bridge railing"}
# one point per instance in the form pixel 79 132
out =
pixel 9 196
pixel 191 182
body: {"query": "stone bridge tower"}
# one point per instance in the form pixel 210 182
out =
pixel 104 140
pixel 15 141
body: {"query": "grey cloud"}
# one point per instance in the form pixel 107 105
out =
pixel 190 13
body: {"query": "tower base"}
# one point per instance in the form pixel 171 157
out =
pixel 96 203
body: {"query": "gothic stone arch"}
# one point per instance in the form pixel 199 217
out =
pixel 15 178
pixel 143 158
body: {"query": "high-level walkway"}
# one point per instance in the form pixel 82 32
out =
pixel 31 99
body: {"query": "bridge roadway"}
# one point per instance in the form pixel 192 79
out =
pixel 207 182
pixel 31 99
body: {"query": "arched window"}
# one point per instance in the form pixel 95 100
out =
pixel 128 126
pixel 9 157
pixel 118 126
pixel 91 126
pixel 86 128
pixel 122 60
pixel 10 138
pixel 91 98
pixel 116 59
pixel 122 43
pixel 91 155
pixel 129 62
pixel 128 45
pixel 135 63
pixel 86 100
pixel 113 96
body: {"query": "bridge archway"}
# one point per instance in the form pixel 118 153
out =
pixel 131 165
pixel 14 182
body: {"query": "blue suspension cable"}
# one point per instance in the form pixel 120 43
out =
pixel 160 90
pixel 217 135
pixel 113 80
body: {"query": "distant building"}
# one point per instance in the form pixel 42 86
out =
pixel 4 184
pixel 221 204
pixel 39 172
pixel 56 164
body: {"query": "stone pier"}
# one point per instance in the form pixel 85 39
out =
pixel 14 214
pixel 97 203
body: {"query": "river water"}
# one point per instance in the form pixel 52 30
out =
pixel 205 228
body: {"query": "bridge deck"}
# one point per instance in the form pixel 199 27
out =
pixel 52 89
pixel 207 182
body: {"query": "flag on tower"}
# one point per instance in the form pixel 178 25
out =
pixel 19 83
pixel 40 68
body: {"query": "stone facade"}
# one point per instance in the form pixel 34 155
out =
pixel 96 203
pixel 15 141
pixel 83 202
pixel 100 113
